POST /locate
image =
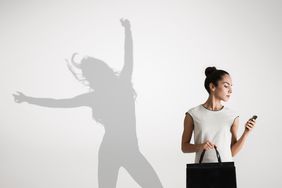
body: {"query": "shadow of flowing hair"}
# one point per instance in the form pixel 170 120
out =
pixel 94 73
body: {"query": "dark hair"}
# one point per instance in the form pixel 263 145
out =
pixel 213 75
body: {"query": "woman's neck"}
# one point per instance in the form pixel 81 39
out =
pixel 213 104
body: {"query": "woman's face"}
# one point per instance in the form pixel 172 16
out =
pixel 224 88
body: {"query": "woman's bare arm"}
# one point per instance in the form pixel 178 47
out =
pixel 237 145
pixel 186 145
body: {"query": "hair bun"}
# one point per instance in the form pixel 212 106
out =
pixel 210 70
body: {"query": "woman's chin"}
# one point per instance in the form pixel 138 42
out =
pixel 225 99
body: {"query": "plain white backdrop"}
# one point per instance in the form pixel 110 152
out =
pixel 174 41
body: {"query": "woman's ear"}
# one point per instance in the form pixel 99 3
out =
pixel 212 87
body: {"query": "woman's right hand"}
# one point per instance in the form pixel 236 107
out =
pixel 207 146
pixel 19 97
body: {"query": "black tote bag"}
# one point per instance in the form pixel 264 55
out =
pixel 211 175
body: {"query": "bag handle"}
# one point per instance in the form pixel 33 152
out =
pixel 217 155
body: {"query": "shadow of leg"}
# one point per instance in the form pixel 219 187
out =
pixel 107 173
pixel 141 171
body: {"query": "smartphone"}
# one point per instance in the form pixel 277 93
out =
pixel 254 117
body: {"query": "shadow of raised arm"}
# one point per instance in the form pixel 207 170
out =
pixel 127 69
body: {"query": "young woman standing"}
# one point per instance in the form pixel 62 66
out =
pixel 213 124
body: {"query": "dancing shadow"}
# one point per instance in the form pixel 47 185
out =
pixel 112 100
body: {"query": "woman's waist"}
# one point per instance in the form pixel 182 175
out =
pixel 211 156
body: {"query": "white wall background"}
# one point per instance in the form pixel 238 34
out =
pixel 174 41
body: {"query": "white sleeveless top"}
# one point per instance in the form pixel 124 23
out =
pixel 213 126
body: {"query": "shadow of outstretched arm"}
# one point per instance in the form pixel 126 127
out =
pixel 127 69
pixel 77 101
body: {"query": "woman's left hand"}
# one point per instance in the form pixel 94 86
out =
pixel 251 123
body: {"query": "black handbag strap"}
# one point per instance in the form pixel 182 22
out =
pixel 217 155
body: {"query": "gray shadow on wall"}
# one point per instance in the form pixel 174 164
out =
pixel 112 100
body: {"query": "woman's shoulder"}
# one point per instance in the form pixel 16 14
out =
pixel 192 110
pixel 231 111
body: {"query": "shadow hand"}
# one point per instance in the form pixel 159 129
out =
pixel 125 23
pixel 19 97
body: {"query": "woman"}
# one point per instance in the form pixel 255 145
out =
pixel 112 101
pixel 213 124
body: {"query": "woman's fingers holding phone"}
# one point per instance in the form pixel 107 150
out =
pixel 250 124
